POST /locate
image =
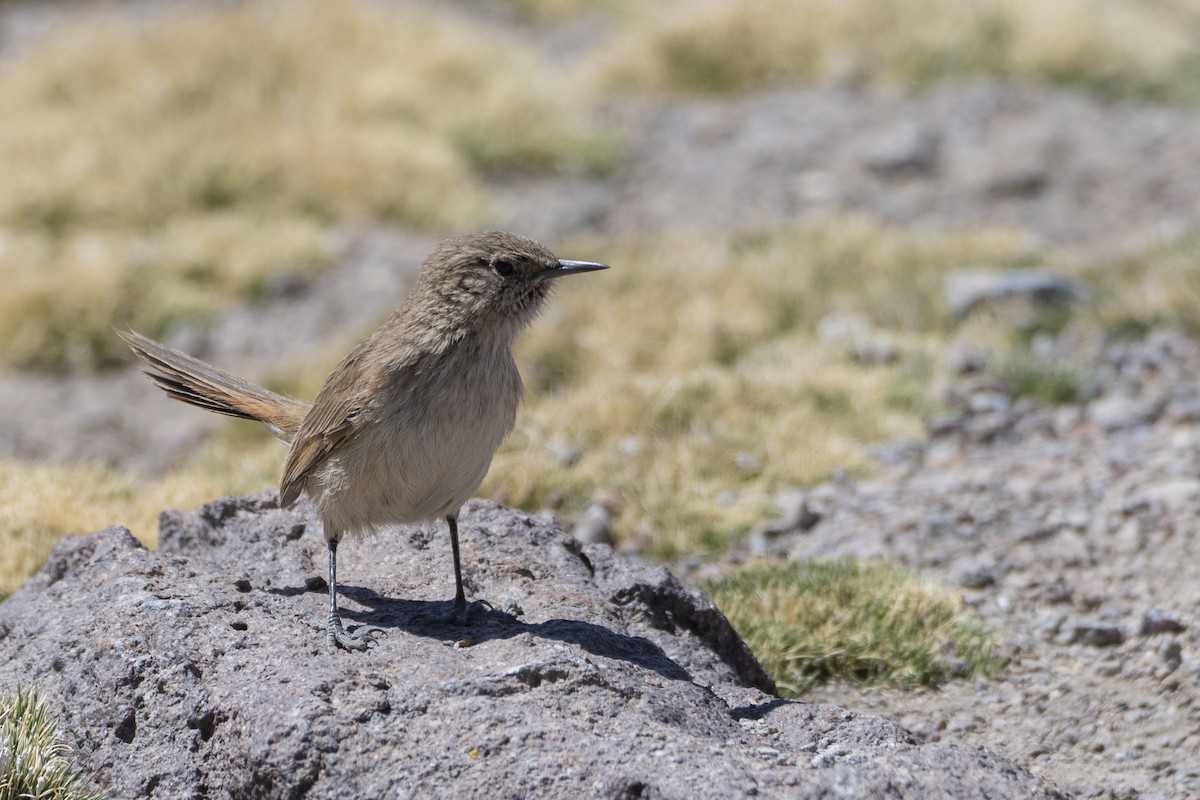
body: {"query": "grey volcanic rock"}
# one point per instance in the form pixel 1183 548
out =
pixel 194 671
pixel 967 290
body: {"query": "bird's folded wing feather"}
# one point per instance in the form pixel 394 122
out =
pixel 331 421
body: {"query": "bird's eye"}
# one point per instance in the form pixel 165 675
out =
pixel 503 267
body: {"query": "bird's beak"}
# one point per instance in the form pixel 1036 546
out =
pixel 566 267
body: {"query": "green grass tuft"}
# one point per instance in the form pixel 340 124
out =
pixel 35 764
pixel 865 622
pixel 1052 383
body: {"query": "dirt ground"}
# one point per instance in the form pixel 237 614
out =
pixel 1072 530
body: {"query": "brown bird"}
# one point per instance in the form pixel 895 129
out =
pixel 405 427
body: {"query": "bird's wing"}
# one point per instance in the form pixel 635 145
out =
pixel 335 412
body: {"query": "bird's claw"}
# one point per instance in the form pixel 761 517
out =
pixel 339 638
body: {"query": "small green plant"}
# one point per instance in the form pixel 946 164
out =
pixel 1049 382
pixel 861 621
pixel 35 764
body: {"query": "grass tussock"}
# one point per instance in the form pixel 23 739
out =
pixel 864 622
pixel 1120 48
pixel 1023 374
pixel 35 763
pixel 157 172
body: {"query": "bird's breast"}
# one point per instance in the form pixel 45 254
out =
pixel 428 445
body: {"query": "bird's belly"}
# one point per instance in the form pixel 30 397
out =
pixel 385 486
pixel 420 464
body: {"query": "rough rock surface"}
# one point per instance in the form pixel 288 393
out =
pixel 193 671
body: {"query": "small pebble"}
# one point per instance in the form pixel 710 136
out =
pixel 1171 651
pixel 1157 620
pixel 977 578
pixel 1096 634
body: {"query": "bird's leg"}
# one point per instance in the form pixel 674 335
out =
pixel 336 635
pixel 462 611
pixel 460 597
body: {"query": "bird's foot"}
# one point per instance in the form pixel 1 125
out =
pixel 462 614
pixel 339 638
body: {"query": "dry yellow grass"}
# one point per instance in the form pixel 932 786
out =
pixel 690 383
pixel 1158 287
pixel 157 172
pixel 1118 47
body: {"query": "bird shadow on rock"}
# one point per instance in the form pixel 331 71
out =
pixel 426 618
pixel 760 710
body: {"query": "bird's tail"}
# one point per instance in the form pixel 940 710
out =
pixel 203 385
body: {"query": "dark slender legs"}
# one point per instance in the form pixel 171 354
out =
pixel 460 614
pixel 336 635
pixel 460 597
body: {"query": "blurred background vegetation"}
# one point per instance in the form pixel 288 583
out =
pixel 158 169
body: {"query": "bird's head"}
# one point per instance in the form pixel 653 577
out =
pixel 494 279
